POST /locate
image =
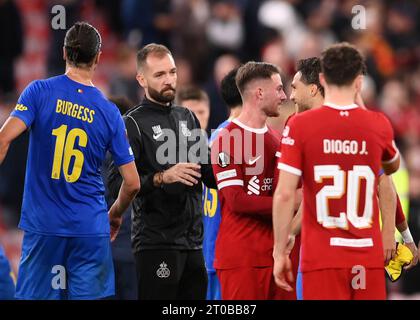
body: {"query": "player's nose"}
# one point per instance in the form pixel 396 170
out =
pixel 292 97
pixel 283 96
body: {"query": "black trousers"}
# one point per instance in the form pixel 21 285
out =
pixel 125 280
pixel 171 275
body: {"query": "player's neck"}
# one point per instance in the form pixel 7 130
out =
pixel 318 101
pixel 252 118
pixel 338 96
pixel 83 76
pixel 235 112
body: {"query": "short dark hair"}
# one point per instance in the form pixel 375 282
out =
pixel 341 63
pixel 82 44
pixel 151 48
pixel 191 93
pixel 310 69
pixel 252 71
pixel 229 90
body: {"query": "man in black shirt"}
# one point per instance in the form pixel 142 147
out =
pixel 172 160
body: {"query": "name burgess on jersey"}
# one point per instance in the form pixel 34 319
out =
pixel 74 110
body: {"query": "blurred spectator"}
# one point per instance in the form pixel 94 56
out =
pixel 369 93
pixel 147 21
pixel 414 82
pixel 380 56
pixel 395 102
pixel 275 52
pixel 225 31
pixel 197 101
pixel 184 72
pixel 123 81
pixel 281 16
pixel 138 31
pixel 164 21
pixel 343 15
pixel 218 111
pixel 189 36
pixel 11 44
pixel 411 280
pixel 12 173
pixel 401 31
pixel 112 9
pixel 313 44
pixel 55 62
pixel 413 165
pixel 254 31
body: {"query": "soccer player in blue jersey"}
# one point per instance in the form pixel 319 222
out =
pixel 66 251
pixel 7 285
pixel 211 204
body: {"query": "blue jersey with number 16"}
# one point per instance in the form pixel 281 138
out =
pixel 71 128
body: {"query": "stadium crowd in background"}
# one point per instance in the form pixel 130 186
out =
pixel 208 38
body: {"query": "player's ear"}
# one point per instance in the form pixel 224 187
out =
pixel 64 54
pixel 313 90
pixel 259 93
pixel 98 56
pixel 140 79
pixel 358 82
pixel 322 79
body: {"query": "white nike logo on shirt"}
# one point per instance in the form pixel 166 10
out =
pixel 252 161
pixel 156 136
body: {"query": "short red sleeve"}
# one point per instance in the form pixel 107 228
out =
pixel 291 148
pixel 390 152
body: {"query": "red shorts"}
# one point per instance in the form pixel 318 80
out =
pixel 251 283
pixel 342 284
pixel 256 283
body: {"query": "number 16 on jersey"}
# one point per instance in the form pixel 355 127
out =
pixel 64 150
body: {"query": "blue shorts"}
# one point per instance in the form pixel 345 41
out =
pixel 213 287
pixel 7 286
pixel 299 285
pixel 58 268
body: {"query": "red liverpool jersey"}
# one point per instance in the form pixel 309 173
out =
pixel 338 152
pixel 243 163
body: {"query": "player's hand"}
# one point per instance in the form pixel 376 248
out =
pixel 115 224
pixel 390 249
pixel 290 243
pixel 414 251
pixel 282 272
pixel 186 173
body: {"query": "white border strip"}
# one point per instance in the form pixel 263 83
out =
pixel 290 169
pixel 337 107
pixel 255 130
pixel 393 159
pixel 229 183
pixel 354 243
pixel 226 174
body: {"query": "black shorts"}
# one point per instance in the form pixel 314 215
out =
pixel 171 274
